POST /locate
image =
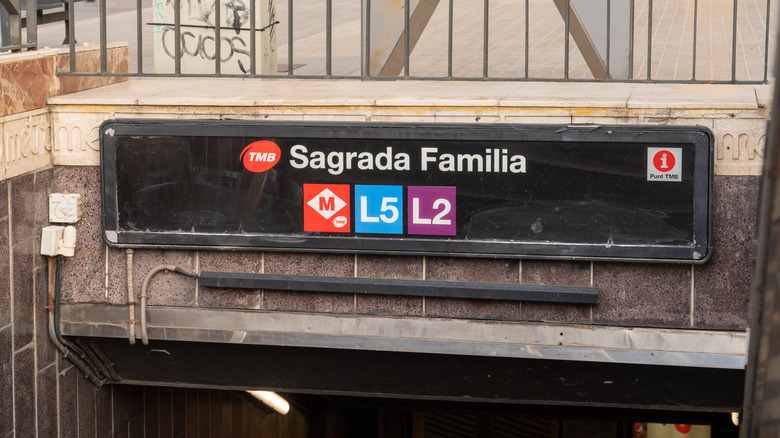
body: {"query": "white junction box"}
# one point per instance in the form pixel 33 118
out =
pixel 64 208
pixel 50 240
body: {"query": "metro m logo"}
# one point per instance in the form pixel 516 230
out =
pixel 326 208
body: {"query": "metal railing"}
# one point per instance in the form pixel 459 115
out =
pixel 675 41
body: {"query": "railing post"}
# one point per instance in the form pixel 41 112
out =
pixel 12 28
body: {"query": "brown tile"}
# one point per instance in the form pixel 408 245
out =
pixel 24 395
pixel 164 413
pixel 642 294
pixel 393 267
pixel 128 410
pixel 6 381
pixel 151 410
pixel 471 270
pixel 389 305
pixel 46 351
pixel 86 407
pixel 3 199
pixel 226 261
pixel 44 185
pixel 308 302
pixel 68 400
pixel 5 275
pixel 23 296
pixel 471 309
pixel 215 412
pixel 179 410
pixel 83 275
pixel 555 273
pixel 722 285
pixel 117 277
pixel 204 408
pixel 103 410
pixel 47 402
pixel 390 267
pixel 329 265
pixel 23 208
pixel 192 411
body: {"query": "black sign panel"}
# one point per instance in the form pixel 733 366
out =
pixel 590 192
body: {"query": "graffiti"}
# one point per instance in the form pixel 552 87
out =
pixel 199 45
pixel 204 47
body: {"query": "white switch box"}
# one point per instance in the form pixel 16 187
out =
pixel 64 208
pixel 50 240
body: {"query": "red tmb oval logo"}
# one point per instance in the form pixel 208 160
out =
pixel 261 156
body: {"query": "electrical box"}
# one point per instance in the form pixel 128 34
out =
pixel 50 240
pixel 64 208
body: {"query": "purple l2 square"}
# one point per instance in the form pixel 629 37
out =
pixel 431 210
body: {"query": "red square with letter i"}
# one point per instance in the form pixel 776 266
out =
pixel 326 208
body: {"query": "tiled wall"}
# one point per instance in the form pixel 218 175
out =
pixel 43 394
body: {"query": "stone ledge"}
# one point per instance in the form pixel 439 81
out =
pixel 735 113
pixel 670 347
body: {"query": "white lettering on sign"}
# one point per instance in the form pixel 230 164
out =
pixel 441 205
pixel 336 162
pixel 493 161
pixel 384 209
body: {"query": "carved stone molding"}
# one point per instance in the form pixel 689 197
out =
pixel 76 139
pixel 739 146
pixel 26 143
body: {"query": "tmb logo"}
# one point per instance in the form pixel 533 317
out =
pixel 260 156
pixel 664 164
pixel 326 208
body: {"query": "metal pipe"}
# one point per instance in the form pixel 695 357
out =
pixel 130 297
pixel 649 38
pixel 289 37
pixel 609 38
pixel 527 32
pixel 734 43
pixel 485 37
pixel 407 45
pixel 567 17
pixel 177 36
pixel 328 38
pixel 766 40
pixel 367 39
pixel 71 36
pixel 695 37
pixel 145 286
pixel 253 38
pixel 103 37
pixel 449 40
pixel 53 333
pixel 218 37
pixel 32 24
pixel 139 37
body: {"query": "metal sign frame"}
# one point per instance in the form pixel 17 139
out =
pixel 694 141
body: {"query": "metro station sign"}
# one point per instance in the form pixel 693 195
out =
pixel 554 191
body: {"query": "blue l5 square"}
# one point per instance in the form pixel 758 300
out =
pixel 379 209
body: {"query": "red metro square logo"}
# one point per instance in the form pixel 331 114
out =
pixel 260 156
pixel 326 208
